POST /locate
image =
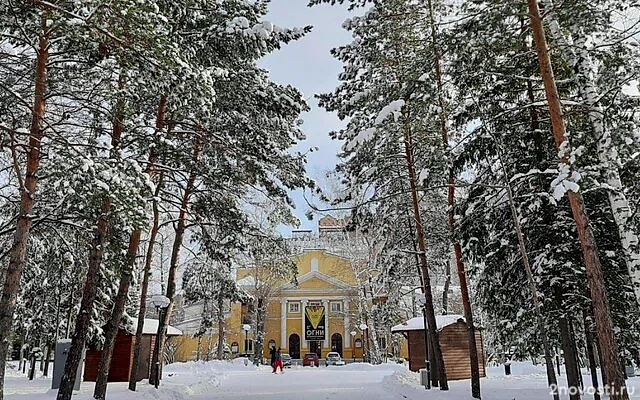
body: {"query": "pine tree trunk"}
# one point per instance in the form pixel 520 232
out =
pixel 603 369
pixel 83 320
pixel 462 275
pixel 100 389
pixel 120 302
pixel 173 265
pixel 142 309
pixel 595 278
pixel 445 288
pixel 18 252
pixel 426 279
pixel 570 357
pixel 220 327
pixel 579 59
pixel 593 369
pixel 428 352
pixel 542 332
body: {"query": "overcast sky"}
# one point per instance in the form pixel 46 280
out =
pixel 307 65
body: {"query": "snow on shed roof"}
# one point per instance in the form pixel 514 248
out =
pixel 151 327
pixel 247 281
pixel 417 323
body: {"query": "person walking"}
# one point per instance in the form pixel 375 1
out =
pixel 278 362
pixel 272 352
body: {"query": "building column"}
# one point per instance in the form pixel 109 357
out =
pixel 327 334
pixel 283 324
pixel 303 336
pixel 347 322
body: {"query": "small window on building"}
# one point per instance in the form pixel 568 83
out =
pixel 294 307
pixel 336 307
pixel 314 264
pixel 358 343
pixel 314 303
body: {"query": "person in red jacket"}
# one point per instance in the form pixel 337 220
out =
pixel 278 362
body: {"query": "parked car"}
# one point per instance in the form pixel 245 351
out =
pixel 286 360
pixel 311 359
pixel 334 358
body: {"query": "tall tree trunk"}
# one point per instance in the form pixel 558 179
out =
pixel 570 358
pixel 422 255
pixel 18 252
pixel 462 275
pixel 83 320
pixel 578 57
pixel 533 289
pixel 595 278
pixel 100 389
pixel 427 341
pixel 591 354
pixel 120 302
pixel 142 309
pixel 220 326
pixel 173 265
pixel 445 288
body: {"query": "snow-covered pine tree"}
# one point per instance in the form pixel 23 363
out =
pixel 490 111
pixel 390 100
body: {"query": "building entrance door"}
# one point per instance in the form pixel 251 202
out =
pixel 315 346
pixel 294 346
pixel 336 343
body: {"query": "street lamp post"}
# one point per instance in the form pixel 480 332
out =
pixel 422 301
pixel 365 344
pixel 246 328
pixel 353 345
pixel 160 302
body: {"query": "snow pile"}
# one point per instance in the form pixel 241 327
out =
pixel 402 377
pixel 199 377
pixel 518 368
pixel 194 368
pixel 379 367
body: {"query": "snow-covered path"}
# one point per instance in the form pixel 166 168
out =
pixel 233 381
pixel 309 384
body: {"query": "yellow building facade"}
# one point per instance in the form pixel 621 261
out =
pixel 325 281
pixel 325 284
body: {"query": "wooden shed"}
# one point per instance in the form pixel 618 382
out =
pixel 123 353
pixel 454 342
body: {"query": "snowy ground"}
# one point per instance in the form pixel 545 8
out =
pixel 234 380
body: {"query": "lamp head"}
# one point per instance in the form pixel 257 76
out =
pixel 160 301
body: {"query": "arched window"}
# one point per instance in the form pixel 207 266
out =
pixel 234 347
pixel 358 343
pixel 272 343
pixel 336 343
